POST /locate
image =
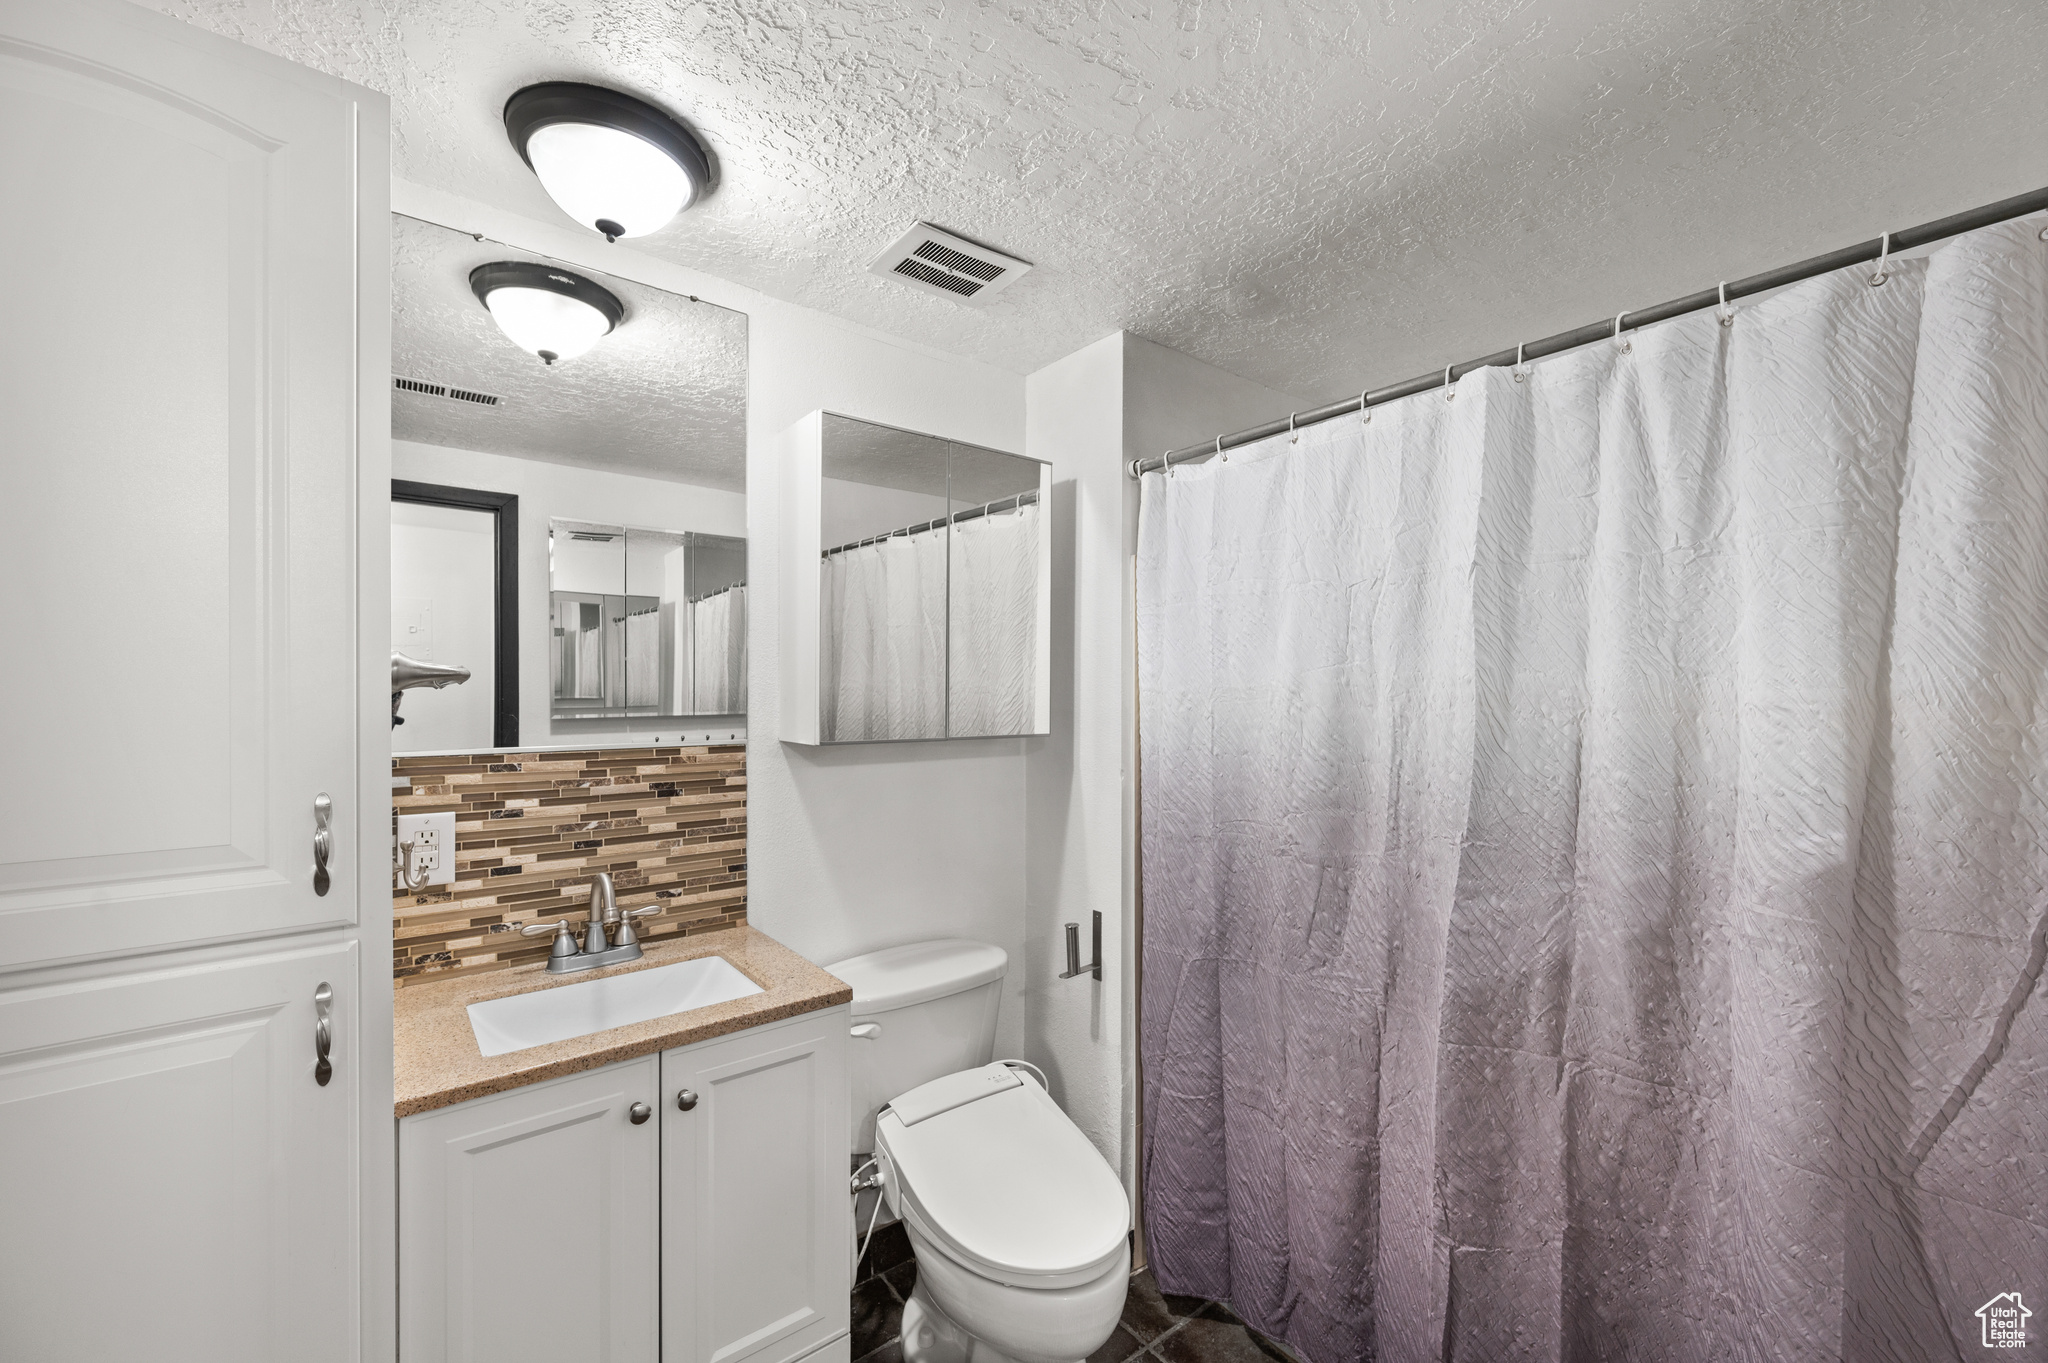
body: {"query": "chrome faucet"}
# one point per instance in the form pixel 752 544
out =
pixel 604 912
pixel 608 936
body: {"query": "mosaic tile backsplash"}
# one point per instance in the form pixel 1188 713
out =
pixel 669 824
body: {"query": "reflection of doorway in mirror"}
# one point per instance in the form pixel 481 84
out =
pixel 443 603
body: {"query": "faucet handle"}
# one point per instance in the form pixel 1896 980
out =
pixel 565 936
pixel 626 936
pixel 533 929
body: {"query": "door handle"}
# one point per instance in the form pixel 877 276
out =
pixel 639 1113
pixel 323 1031
pixel 864 1031
pixel 685 1100
pixel 323 844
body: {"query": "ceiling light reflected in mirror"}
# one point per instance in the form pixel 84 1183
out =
pixel 546 311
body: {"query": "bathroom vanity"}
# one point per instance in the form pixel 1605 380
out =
pixel 673 1188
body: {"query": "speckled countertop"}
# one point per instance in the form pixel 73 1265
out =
pixel 438 1062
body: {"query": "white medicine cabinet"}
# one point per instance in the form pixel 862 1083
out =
pixel 917 578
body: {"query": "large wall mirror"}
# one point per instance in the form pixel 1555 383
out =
pixel 569 504
pixel 923 601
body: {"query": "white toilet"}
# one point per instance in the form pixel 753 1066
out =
pixel 1019 1226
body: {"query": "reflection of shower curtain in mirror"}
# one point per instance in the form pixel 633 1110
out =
pixel 718 631
pixel 643 657
pixel 884 659
pixel 993 638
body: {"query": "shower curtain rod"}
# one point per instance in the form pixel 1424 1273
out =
pixel 973 512
pixel 2016 207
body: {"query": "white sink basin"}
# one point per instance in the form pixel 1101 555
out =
pixel 568 1010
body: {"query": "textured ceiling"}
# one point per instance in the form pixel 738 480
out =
pixel 663 396
pixel 1315 196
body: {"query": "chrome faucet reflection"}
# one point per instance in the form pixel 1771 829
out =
pixel 608 936
pixel 407 673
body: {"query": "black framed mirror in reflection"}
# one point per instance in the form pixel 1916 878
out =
pixel 612 415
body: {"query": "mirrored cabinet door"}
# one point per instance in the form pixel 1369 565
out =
pixel 926 612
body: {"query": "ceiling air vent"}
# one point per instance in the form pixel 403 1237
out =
pixel 939 262
pixel 442 390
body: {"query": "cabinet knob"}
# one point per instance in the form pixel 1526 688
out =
pixel 685 1100
pixel 639 1112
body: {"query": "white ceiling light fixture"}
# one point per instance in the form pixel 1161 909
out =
pixel 544 309
pixel 610 161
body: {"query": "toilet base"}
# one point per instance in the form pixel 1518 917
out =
pixel 1034 1325
pixel 931 1336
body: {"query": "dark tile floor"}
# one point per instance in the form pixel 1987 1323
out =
pixel 1157 1327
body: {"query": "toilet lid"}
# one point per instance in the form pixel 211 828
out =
pixel 1008 1185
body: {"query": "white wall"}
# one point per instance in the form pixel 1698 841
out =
pixel 1091 413
pixel 561 490
pixel 865 846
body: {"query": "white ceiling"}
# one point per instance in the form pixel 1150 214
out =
pixel 662 396
pixel 1315 196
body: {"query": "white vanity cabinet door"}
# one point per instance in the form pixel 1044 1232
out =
pixel 755 1211
pixel 528 1224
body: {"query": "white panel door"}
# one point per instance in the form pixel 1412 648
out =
pixel 175 1186
pixel 527 1224
pixel 755 1211
pixel 178 453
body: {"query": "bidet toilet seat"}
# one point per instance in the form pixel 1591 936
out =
pixel 1006 1186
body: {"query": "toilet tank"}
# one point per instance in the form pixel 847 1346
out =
pixel 933 1007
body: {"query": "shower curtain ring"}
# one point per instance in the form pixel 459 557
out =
pixel 1220 455
pixel 1727 313
pixel 1364 410
pixel 1623 346
pixel 1450 384
pixel 1884 250
pixel 1167 463
pixel 1294 436
pixel 1518 371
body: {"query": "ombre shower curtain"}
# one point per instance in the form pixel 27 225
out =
pixel 1595 836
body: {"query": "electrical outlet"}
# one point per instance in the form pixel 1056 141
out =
pixel 433 847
